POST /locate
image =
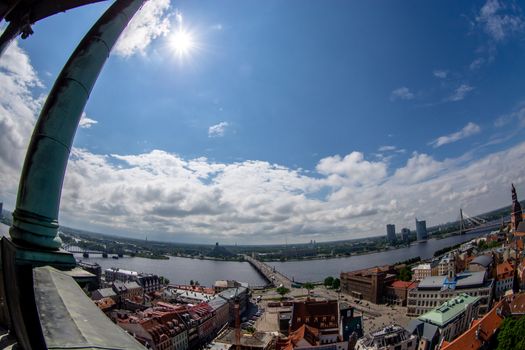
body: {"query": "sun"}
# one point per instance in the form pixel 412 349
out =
pixel 182 43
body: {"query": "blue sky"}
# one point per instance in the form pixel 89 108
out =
pixel 310 120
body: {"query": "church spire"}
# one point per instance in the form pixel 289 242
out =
pixel 515 215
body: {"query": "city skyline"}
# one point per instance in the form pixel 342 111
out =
pixel 264 122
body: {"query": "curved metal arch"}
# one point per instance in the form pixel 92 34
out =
pixel 35 219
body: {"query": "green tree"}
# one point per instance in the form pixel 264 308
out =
pixel 328 281
pixel 191 282
pixel 282 291
pixel 510 335
pixel 336 284
pixel 405 274
pixel 308 286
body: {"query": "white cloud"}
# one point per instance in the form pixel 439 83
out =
pixel 352 168
pixel 500 19
pixel 390 148
pixel 517 116
pixel 402 93
pixel 18 112
pixel 418 168
pixel 217 130
pixel 386 148
pixel 150 22
pixel 198 200
pixel 440 73
pixel 85 122
pixel 460 93
pixel 477 63
pixel 469 130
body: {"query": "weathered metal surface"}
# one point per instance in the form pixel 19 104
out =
pixel 21 15
pixel 70 320
pixel 35 219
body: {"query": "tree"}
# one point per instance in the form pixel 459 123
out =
pixel 283 291
pixel 405 274
pixel 308 286
pixel 191 282
pixel 328 281
pixel 336 284
pixel 510 335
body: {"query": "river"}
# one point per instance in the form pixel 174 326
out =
pixel 318 270
pixel 182 270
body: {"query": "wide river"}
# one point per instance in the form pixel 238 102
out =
pixel 182 270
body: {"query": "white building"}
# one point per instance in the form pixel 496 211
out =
pixel 423 271
pixel 446 265
pixel 434 291
pixel 445 322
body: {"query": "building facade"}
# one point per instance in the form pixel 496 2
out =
pixel 421 230
pixel 367 284
pixel 446 321
pixel 391 233
pixel 434 291
pixel 423 271
pixel 405 234
pixel 504 278
pixel 446 265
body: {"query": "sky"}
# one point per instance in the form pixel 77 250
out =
pixel 256 122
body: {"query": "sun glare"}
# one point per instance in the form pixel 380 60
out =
pixel 182 43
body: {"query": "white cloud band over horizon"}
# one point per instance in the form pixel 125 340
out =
pixel 170 197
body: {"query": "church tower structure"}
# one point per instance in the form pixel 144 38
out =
pixel 515 215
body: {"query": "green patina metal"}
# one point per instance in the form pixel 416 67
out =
pixel 35 219
pixel 21 15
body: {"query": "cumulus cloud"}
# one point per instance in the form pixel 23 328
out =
pixel 85 122
pixel 460 93
pixel 402 93
pixel 500 19
pixel 18 112
pixel 440 73
pixel 352 168
pixel 150 22
pixel 418 168
pixel 217 130
pixel 468 130
pixel 170 197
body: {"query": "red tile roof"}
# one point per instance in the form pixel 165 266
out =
pixel 517 304
pixel 319 314
pixel 504 268
pixel 480 331
pixel 404 284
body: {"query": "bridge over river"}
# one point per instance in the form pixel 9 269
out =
pixel 269 273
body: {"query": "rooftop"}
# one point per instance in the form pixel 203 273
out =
pixel 480 331
pixel 449 310
pixel 255 340
pixel 122 271
pixel 404 284
pixel 483 260
pixel 504 268
pixel 463 280
pixel 390 335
